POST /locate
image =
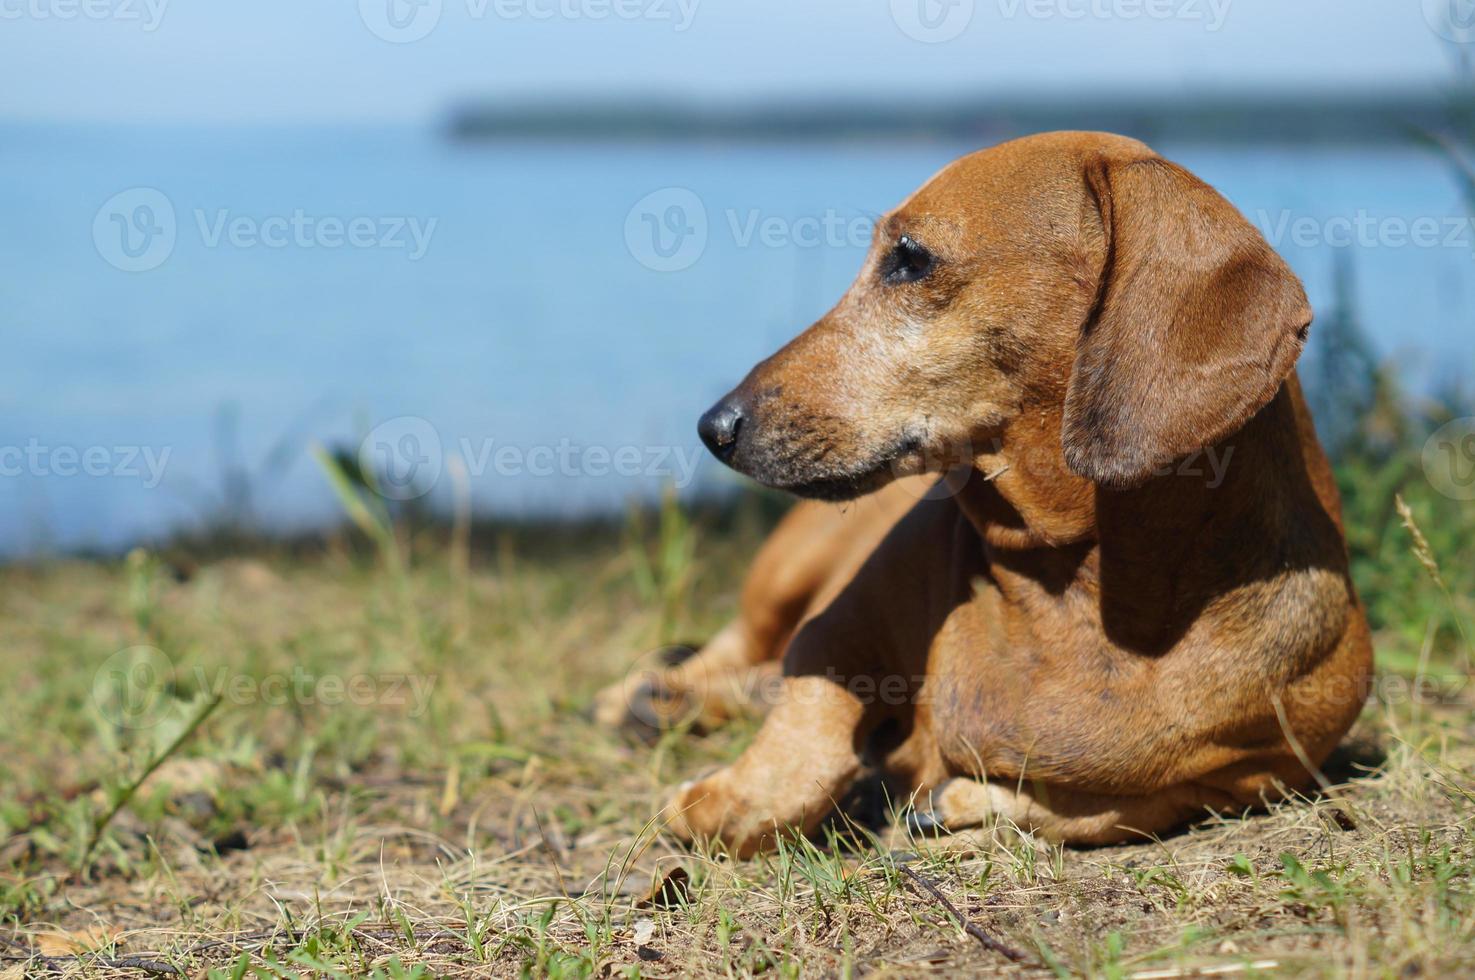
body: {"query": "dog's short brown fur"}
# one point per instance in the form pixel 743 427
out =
pixel 1125 603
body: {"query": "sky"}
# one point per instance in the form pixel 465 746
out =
pixel 255 61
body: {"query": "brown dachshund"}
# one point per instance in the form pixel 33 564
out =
pixel 1120 601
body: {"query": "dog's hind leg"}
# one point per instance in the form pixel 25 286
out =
pixel 1059 813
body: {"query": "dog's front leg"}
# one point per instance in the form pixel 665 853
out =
pixel 840 684
pixel 799 765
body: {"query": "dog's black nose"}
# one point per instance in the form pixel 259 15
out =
pixel 720 426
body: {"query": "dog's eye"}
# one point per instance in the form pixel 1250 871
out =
pixel 906 262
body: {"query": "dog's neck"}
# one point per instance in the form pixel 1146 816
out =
pixel 1044 526
pixel 1020 494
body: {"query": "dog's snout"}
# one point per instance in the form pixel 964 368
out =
pixel 720 427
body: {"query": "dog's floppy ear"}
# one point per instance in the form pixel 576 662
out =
pixel 1197 323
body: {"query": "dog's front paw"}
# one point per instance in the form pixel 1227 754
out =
pixel 709 811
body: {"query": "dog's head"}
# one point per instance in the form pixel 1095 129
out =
pixel 1071 283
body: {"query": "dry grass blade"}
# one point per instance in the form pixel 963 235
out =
pixel 1422 551
pixel 1425 555
pixel 126 794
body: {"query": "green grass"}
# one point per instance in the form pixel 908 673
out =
pixel 292 824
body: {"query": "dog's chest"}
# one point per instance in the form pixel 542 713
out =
pixel 1033 686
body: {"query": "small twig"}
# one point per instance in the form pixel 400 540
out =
pixel 988 942
pixel 156 967
pixel 53 964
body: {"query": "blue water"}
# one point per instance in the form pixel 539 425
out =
pixel 529 321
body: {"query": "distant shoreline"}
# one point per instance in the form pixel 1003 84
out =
pixel 1355 118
